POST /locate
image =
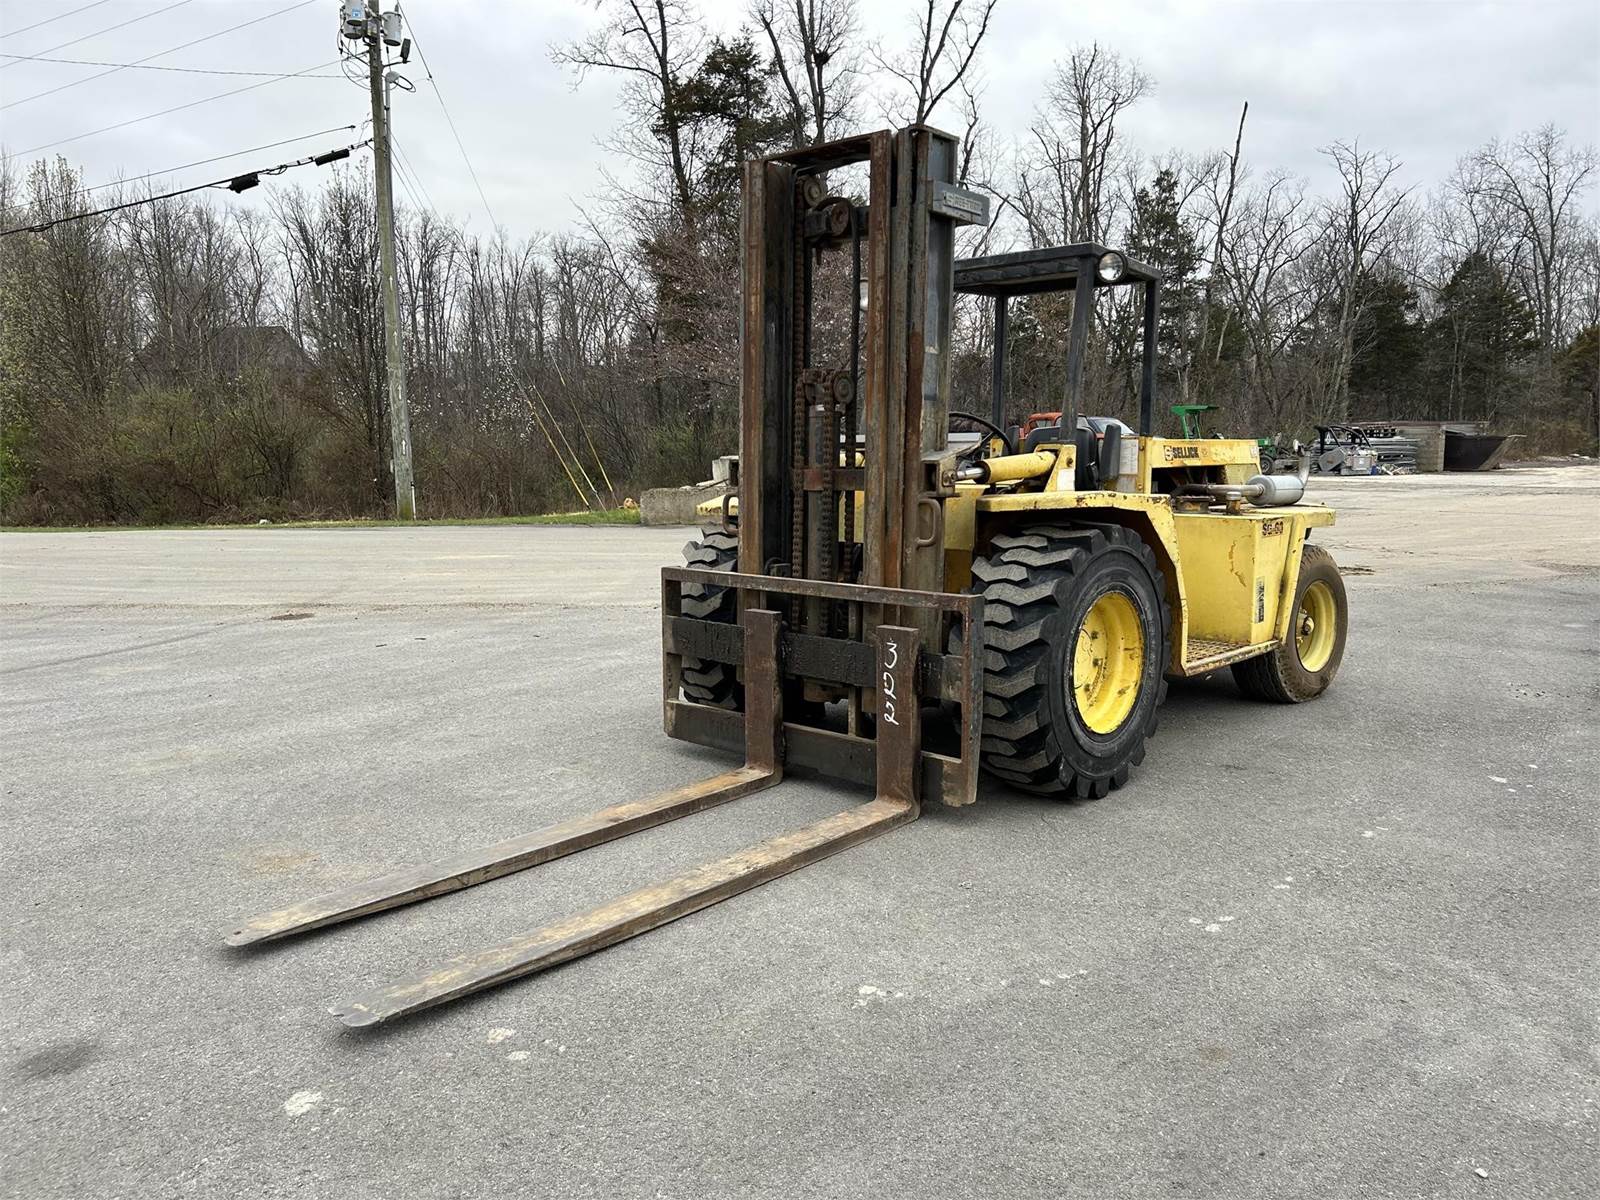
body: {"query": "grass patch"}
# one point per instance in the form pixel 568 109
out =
pixel 607 516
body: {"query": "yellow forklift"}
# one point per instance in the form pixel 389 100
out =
pixel 886 602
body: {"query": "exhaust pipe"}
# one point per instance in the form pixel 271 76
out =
pixel 1276 490
pixel 1264 491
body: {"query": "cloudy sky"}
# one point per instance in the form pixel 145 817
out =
pixel 1425 80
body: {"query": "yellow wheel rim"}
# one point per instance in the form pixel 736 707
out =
pixel 1107 662
pixel 1315 626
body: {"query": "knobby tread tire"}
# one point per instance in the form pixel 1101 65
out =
pixel 1278 677
pixel 703 681
pixel 1036 583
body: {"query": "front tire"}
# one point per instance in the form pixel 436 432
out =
pixel 1303 667
pixel 1077 636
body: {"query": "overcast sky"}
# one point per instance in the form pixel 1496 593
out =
pixel 1426 80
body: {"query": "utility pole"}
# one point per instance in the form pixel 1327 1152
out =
pixel 405 488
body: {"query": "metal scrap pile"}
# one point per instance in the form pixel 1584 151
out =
pixel 1367 449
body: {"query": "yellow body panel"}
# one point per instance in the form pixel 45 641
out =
pixel 1213 562
pixel 960 534
pixel 1065 471
pixel 1232 569
pixel 1239 458
pixel 1230 576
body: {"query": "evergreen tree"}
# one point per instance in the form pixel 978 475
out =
pixel 1388 346
pixel 728 107
pixel 1161 238
pixel 1579 365
pixel 1484 332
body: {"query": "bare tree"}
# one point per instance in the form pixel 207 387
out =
pixel 1537 182
pixel 1586 272
pixel 975 166
pixel 948 35
pixel 814 55
pixel 1072 146
pixel 1224 210
pixel 568 370
pixel 1264 282
pixel 184 264
pixel 429 255
pixel 1358 229
pixel 654 45
pixel 332 239
pixel 1466 218
pixel 69 308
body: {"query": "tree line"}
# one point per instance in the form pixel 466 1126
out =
pixel 183 360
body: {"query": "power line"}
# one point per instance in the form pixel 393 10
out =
pixel 237 183
pixel 410 191
pixel 405 182
pixel 175 108
pixel 445 108
pixel 352 66
pixel 416 178
pixel 408 178
pixel 200 162
pixel 85 62
pixel 61 16
pixel 107 29
pixel 115 67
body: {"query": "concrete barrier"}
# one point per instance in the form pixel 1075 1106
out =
pixel 675 506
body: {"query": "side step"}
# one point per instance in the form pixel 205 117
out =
pixel 898 775
pixel 1207 654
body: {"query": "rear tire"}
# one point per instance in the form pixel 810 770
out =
pixel 704 681
pixel 1303 667
pixel 1077 636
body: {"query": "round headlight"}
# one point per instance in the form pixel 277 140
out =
pixel 1111 267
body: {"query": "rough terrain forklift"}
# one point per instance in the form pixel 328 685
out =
pixel 885 601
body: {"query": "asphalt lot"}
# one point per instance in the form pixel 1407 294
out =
pixel 1345 949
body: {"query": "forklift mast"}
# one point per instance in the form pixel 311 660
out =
pixel 823 420
pixel 844 464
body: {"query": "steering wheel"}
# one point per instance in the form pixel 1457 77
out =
pixel 1005 438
